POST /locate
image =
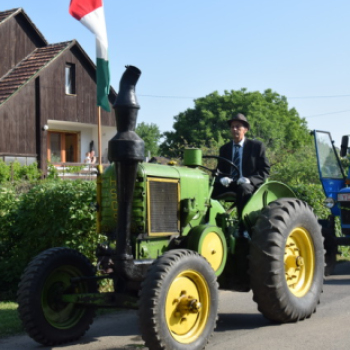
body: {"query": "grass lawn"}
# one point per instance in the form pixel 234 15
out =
pixel 10 324
pixel 9 321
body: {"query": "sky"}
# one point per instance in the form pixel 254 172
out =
pixel 187 49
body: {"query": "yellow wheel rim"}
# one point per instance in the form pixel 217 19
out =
pixel 299 261
pixel 187 306
pixel 213 250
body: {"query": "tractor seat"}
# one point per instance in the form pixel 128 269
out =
pixel 227 197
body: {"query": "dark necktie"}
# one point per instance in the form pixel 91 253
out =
pixel 236 161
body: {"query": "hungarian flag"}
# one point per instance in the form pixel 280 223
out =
pixel 91 14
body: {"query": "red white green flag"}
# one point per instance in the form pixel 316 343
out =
pixel 90 13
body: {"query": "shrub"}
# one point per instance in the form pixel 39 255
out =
pixel 17 172
pixel 50 214
pixel 313 195
pixel 4 172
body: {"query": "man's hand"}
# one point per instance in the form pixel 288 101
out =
pixel 243 180
pixel 225 181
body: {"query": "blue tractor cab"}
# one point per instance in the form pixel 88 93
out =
pixel 337 191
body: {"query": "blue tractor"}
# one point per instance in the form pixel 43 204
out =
pixel 336 188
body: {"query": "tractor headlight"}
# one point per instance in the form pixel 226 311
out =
pixel 329 203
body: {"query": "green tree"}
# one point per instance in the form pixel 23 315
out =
pixel 151 135
pixel 294 167
pixel 269 115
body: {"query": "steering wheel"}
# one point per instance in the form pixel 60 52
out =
pixel 216 171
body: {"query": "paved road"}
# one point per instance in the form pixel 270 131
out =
pixel 240 326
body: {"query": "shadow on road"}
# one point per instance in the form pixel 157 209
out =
pixel 337 281
pixel 136 343
pixel 239 321
pixel 342 268
pixel 341 274
pixel 105 333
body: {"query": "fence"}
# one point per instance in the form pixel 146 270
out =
pixel 80 171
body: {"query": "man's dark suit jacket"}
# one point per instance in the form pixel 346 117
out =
pixel 255 165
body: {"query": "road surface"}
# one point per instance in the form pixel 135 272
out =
pixel 240 326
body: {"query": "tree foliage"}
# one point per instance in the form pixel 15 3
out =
pixel 269 115
pixel 294 167
pixel 151 135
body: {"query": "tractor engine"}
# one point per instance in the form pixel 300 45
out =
pixel 167 202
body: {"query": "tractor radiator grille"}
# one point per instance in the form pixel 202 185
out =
pixel 163 207
pixel 345 212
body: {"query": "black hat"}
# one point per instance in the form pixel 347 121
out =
pixel 239 117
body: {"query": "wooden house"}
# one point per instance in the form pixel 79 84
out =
pixel 48 108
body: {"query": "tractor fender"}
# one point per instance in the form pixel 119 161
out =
pixel 210 242
pixel 265 194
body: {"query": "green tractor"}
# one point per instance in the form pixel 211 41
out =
pixel 170 245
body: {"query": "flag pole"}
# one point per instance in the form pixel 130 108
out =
pixel 99 136
pixel 91 14
pixel 99 173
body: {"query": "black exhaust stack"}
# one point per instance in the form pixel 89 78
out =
pixel 126 150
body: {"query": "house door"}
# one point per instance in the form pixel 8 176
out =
pixel 62 147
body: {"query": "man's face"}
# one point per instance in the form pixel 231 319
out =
pixel 238 131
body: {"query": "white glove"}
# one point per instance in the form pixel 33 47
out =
pixel 225 181
pixel 243 180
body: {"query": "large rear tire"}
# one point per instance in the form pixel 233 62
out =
pixel 178 302
pixel 287 261
pixel 45 317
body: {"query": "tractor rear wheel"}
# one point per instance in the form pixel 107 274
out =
pixel 46 318
pixel 330 246
pixel 178 302
pixel 287 261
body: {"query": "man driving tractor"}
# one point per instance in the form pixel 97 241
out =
pixel 248 155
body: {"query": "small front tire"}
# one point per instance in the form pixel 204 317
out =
pixel 178 302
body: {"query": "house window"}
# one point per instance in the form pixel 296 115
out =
pixel 62 147
pixel 70 79
pixel 21 160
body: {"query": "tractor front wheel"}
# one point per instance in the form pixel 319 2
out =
pixel 178 302
pixel 45 316
pixel 287 261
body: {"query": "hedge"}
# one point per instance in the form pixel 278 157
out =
pixel 49 214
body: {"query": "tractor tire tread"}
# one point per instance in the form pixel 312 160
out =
pixel 266 271
pixel 150 292
pixel 27 287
